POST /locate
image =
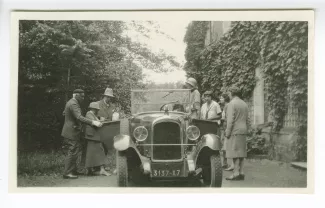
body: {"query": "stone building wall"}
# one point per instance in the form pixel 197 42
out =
pixel 260 111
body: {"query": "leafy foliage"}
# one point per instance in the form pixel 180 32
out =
pixel 257 145
pixel 98 54
pixel 195 40
pixel 280 49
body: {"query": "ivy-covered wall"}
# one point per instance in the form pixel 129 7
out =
pixel 278 49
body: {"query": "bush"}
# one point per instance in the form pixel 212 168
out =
pixel 256 144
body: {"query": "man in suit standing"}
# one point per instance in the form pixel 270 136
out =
pixel 106 111
pixel 71 132
pixel 236 132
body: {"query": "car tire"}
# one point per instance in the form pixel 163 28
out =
pixel 137 177
pixel 212 174
pixel 122 170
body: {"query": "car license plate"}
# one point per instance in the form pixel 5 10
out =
pixel 166 173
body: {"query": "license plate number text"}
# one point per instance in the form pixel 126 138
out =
pixel 166 173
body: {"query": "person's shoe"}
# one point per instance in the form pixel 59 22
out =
pixel 234 178
pixel 115 172
pixel 78 173
pixel 225 166
pixel 90 172
pixel 242 176
pixel 229 169
pixel 105 173
pixel 70 176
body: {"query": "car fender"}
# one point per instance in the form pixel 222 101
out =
pixel 125 143
pixel 122 142
pixel 208 142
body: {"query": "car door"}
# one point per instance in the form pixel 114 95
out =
pixel 206 126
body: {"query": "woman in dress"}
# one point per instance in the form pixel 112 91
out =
pixel 95 154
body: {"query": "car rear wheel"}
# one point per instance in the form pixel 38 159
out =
pixel 122 170
pixel 212 173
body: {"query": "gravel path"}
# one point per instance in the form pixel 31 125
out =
pixel 259 173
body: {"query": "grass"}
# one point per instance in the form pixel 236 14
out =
pixel 39 163
pixel 47 164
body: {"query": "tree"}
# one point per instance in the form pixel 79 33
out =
pixel 195 39
pixel 93 54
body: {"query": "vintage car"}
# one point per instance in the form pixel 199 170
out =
pixel 160 142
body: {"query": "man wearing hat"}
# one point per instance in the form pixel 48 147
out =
pixel 210 109
pixel 71 132
pixel 106 107
pixel 95 154
pixel 195 98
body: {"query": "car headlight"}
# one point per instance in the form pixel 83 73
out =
pixel 193 133
pixel 140 133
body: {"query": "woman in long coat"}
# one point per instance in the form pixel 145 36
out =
pixel 95 154
pixel 236 133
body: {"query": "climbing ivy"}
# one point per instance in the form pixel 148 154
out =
pixel 284 50
pixel 195 40
pixel 231 61
pixel 279 49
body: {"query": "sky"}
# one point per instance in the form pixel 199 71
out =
pixel 176 30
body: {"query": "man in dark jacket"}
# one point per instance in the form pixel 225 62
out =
pixel 71 132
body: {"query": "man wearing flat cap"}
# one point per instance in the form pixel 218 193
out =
pixel 71 132
pixel 210 110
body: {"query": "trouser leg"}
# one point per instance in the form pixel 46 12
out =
pixel 81 158
pixel 73 151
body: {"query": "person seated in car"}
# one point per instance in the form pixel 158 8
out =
pixel 178 108
pixel 210 110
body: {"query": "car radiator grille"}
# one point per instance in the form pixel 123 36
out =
pixel 166 133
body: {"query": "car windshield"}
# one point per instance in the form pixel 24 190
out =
pixel 156 99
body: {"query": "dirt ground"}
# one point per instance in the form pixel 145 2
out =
pixel 259 173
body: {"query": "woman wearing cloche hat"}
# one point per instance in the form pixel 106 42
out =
pixel 195 98
pixel 95 155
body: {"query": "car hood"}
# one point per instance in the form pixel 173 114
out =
pixel 151 116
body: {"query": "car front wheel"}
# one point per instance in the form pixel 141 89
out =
pixel 212 173
pixel 122 170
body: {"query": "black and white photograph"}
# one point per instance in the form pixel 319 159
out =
pixel 160 100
